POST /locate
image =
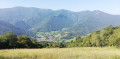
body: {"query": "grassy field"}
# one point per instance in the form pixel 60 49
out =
pixel 61 53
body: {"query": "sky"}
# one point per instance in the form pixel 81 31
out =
pixel 109 6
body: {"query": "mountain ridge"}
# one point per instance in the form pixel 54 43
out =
pixel 47 20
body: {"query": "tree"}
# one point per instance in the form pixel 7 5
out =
pixel 11 38
pixel 25 41
pixel 61 45
pixel 78 41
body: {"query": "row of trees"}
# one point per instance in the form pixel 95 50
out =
pixel 109 36
pixel 11 40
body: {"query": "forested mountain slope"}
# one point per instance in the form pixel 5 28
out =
pixel 109 36
pixel 46 20
pixel 5 27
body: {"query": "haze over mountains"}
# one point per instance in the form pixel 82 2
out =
pixel 45 20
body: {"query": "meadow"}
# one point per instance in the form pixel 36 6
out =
pixel 62 53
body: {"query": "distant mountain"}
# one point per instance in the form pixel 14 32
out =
pixel 54 23
pixel 5 27
pixel 22 25
pixel 46 20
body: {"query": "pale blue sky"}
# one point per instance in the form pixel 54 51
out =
pixel 109 6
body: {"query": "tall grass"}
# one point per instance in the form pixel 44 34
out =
pixel 61 53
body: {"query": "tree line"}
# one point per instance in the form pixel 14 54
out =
pixel 11 40
pixel 109 36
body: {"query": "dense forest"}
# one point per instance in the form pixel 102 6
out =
pixel 109 36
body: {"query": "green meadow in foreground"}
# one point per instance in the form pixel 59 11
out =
pixel 62 53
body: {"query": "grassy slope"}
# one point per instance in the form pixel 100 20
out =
pixel 63 53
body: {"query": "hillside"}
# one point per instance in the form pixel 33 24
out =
pixel 5 27
pixel 67 23
pixel 109 36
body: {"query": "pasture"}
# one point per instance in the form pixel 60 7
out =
pixel 62 53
